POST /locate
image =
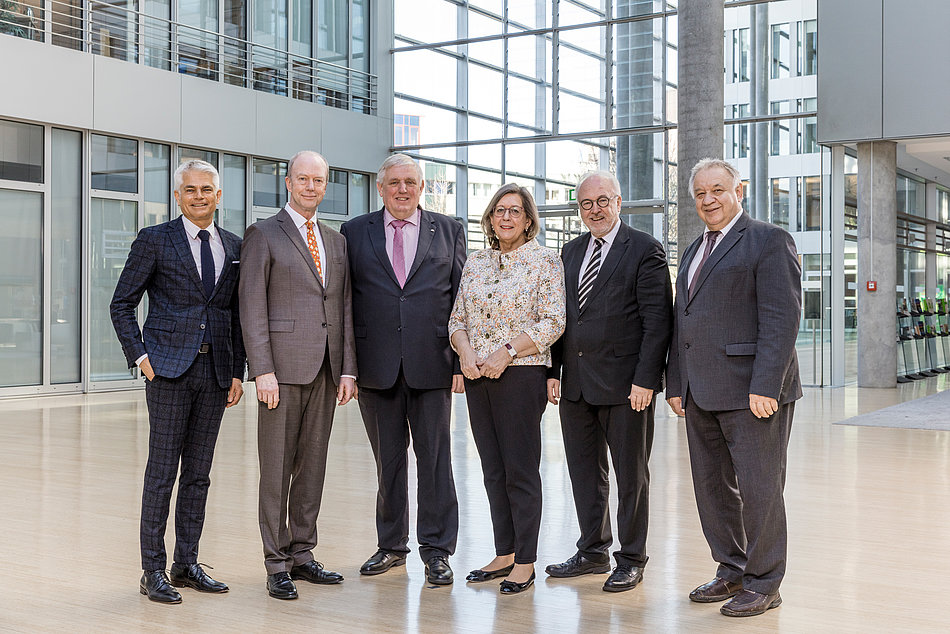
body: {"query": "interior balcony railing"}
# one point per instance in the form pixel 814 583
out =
pixel 114 31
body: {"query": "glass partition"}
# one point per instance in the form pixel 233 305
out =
pixel 65 257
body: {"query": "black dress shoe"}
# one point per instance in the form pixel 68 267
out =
pixel 714 591
pixel 438 571
pixel 477 576
pixel 194 576
pixel 749 603
pixel 510 587
pixel 313 572
pixel 155 586
pixel 576 566
pixel 381 561
pixel 624 578
pixel 280 586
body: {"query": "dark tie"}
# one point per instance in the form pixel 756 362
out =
pixel 207 262
pixel 711 238
pixel 590 274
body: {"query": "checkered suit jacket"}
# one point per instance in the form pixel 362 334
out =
pixel 161 264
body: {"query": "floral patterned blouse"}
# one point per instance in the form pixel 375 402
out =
pixel 502 295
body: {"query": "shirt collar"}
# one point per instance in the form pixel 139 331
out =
pixel 388 217
pixel 192 229
pixel 298 219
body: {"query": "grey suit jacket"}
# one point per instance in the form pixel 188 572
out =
pixel 405 327
pixel 622 335
pixel 736 335
pixel 292 320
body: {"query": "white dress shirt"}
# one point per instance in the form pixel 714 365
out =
pixel 301 223
pixel 608 240
pixel 698 256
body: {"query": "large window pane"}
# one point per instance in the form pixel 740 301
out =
pixel 67 23
pixel 112 30
pixel 112 229
pixel 157 183
pixel 65 269
pixel 157 32
pixel 360 36
pixel 808 47
pixel 781 52
pixel 269 187
pixel 198 46
pixel 407 20
pixel 440 180
pixel 21 288
pixel 431 74
pixel 232 212
pixel 235 50
pixel 359 194
pixel 114 164
pixel 270 29
pixel 188 153
pixel 21 152
pixel 335 200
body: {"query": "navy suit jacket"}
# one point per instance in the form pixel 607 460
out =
pixel 622 335
pixel 407 326
pixel 736 334
pixel 161 264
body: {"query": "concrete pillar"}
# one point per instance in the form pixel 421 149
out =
pixel 877 261
pixel 699 103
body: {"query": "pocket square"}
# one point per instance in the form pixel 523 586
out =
pixel 235 261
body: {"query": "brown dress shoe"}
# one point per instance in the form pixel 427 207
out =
pixel 749 603
pixel 714 591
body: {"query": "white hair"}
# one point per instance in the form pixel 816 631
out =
pixel 196 165
pixel 393 161
pixel 709 163
pixel 604 174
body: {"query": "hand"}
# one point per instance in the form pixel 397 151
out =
pixel 146 368
pixel 458 384
pixel 347 390
pixel 235 393
pixel 640 397
pixel 762 406
pixel 554 391
pixel 470 362
pixel 676 404
pixel 496 363
pixel 267 389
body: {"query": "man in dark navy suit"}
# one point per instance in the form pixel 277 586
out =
pixel 406 265
pixel 606 371
pixel 192 356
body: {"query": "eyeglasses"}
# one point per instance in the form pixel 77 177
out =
pixel 602 201
pixel 514 211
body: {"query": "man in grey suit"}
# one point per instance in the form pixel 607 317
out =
pixel 406 264
pixel 733 372
pixel 612 355
pixel 295 296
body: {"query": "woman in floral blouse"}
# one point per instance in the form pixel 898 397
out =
pixel 508 312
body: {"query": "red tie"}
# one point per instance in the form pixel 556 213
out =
pixel 314 248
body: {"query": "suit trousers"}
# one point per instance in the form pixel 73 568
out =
pixel 391 416
pixel 738 463
pixel 292 442
pixel 588 431
pixel 505 414
pixel 184 416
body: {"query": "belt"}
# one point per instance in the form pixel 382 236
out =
pixel 204 348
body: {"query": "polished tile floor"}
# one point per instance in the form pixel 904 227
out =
pixel 869 517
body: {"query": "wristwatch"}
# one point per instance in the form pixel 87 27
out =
pixel 511 350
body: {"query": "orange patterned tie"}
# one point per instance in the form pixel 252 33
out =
pixel 314 249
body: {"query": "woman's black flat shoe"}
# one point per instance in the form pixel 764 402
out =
pixel 477 576
pixel 510 587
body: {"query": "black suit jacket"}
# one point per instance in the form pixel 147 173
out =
pixel 161 264
pixel 622 335
pixel 736 334
pixel 405 326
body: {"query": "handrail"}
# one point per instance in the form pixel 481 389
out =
pixel 135 36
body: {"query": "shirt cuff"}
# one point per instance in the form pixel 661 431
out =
pixel 140 359
pixel 347 376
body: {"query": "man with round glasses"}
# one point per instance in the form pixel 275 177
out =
pixel 607 367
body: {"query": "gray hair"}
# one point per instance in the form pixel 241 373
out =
pixel 293 159
pixel 604 174
pixel 709 163
pixel 530 210
pixel 196 165
pixel 393 161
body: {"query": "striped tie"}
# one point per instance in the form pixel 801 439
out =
pixel 590 274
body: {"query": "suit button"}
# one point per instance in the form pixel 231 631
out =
pixel 686 313
pixel 580 354
pixel 202 326
pixel 403 298
pixel 324 298
pixel 399 329
pixel 686 346
pixel 580 322
pixel 324 324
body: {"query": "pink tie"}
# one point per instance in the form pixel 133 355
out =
pixel 711 238
pixel 399 254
